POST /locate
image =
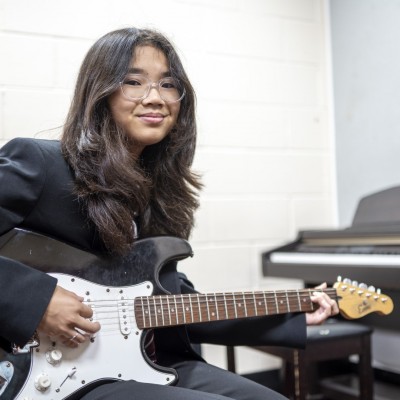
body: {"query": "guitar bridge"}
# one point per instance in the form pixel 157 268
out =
pixel 33 342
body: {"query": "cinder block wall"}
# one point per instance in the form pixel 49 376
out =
pixel 265 144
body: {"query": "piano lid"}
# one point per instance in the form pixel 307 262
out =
pixel 369 250
pixel 376 222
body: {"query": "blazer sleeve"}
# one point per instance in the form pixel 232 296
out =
pixel 22 176
pixel 279 330
pixel 25 292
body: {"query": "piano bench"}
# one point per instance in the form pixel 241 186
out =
pixel 331 341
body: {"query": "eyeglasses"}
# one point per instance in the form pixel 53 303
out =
pixel 137 87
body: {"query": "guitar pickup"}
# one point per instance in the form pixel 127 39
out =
pixel 123 314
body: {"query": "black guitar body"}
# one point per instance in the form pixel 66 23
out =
pixel 144 262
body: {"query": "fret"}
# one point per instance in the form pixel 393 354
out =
pixel 298 299
pixel 287 300
pixel 202 304
pixel 216 305
pixel 226 308
pixel 199 306
pixel 169 311
pixel 276 302
pixel 155 310
pixel 310 302
pixel 191 308
pixel 234 304
pixel 265 304
pixel 244 304
pixel 208 308
pixel 143 312
pixel 183 310
pixel 255 304
pixel 176 310
pixel 149 311
pixel 162 310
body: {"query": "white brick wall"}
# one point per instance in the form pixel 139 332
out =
pixel 259 69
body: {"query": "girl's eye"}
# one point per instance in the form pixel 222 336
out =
pixel 168 85
pixel 133 82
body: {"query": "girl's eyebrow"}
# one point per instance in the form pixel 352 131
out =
pixel 141 71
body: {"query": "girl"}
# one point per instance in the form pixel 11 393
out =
pixel 120 172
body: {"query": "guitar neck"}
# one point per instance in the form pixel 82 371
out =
pixel 171 310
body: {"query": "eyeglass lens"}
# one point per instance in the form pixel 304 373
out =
pixel 138 86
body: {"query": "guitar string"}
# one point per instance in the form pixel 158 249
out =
pixel 208 300
pixel 113 320
pixel 205 298
pixel 229 302
pixel 216 300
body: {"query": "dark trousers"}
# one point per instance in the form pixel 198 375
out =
pixel 197 381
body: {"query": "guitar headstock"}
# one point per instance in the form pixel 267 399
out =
pixel 357 300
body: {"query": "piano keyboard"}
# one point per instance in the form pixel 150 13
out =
pixel 335 259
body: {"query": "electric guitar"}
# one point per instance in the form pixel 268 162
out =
pixel 127 299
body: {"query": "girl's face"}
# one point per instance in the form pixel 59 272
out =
pixel 149 120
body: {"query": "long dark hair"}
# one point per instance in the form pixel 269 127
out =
pixel 159 190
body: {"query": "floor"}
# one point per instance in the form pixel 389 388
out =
pixel 386 385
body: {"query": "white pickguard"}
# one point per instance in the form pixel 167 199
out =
pixel 112 354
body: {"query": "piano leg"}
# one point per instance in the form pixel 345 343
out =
pixel 365 371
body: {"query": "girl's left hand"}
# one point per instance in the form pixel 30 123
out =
pixel 327 307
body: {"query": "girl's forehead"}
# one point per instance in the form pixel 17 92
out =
pixel 148 53
pixel 150 61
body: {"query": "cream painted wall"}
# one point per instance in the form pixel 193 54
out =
pixel 265 148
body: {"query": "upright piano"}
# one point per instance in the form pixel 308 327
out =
pixel 366 252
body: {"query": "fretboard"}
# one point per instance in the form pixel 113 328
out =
pixel 169 310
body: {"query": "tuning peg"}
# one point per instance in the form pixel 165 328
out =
pixel 371 288
pixel 363 286
pixel 378 291
pixel 339 279
pixel 354 283
pixel 347 280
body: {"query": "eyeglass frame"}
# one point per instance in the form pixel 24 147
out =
pixel 151 85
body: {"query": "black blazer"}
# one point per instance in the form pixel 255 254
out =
pixel 36 194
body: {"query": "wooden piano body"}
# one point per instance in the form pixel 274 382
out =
pixel 368 252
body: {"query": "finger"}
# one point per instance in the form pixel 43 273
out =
pixel 85 311
pixel 72 341
pixel 335 308
pixel 324 303
pixel 86 326
pixel 322 286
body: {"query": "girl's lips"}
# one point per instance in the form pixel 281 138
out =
pixel 151 118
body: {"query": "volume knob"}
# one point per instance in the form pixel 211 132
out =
pixel 42 382
pixel 54 356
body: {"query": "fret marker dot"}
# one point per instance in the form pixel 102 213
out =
pixel 213 314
